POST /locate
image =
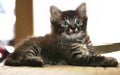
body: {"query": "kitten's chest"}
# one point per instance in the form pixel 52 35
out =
pixel 68 45
pixel 63 45
pixel 67 48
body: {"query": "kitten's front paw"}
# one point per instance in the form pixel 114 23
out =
pixel 110 62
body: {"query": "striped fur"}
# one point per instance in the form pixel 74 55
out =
pixel 68 44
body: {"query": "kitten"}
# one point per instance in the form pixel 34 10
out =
pixel 68 43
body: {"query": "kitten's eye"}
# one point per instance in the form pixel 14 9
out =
pixel 65 24
pixel 78 23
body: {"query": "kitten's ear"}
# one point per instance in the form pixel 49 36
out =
pixel 82 10
pixel 55 13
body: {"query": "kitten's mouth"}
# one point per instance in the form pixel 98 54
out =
pixel 73 33
pixel 73 36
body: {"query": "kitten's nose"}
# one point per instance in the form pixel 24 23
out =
pixel 73 27
pixel 73 30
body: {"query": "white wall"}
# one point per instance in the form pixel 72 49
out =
pixel 7 19
pixel 103 18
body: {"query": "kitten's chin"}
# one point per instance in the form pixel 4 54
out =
pixel 74 36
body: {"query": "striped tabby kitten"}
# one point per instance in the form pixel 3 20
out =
pixel 68 43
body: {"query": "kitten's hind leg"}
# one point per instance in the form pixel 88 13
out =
pixel 29 59
pixel 33 61
pixel 12 62
pixel 32 58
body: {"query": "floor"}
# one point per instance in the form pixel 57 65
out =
pixel 59 70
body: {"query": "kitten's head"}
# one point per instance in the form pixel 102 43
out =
pixel 71 24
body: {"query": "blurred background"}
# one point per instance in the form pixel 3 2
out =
pixel 103 18
pixel 22 18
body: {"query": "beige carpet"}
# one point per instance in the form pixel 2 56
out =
pixel 59 70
